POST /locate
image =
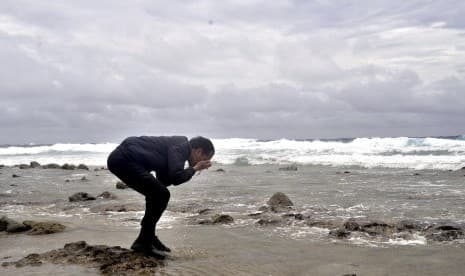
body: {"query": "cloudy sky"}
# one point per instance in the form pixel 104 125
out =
pixel 97 71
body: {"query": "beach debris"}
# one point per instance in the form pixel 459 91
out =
pixel 34 164
pixel 110 260
pixel 292 167
pixel 43 228
pixel 107 195
pixel 82 167
pixel 51 166
pixel 81 196
pixel 121 185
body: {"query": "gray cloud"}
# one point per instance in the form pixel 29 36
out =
pixel 80 71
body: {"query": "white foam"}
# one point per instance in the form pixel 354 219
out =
pixel 400 152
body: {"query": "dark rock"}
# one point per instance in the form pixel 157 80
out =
pixel 84 178
pixel 279 201
pixel 111 260
pixel 2 166
pixel 24 166
pixel 51 166
pixel 445 232
pixel 346 172
pixel 371 227
pixel 12 226
pixel 329 224
pixel 416 174
pixel 15 175
pixel 81 196
pixel 339 233
pixel 220 170
pixel 67 166
pixel 43 228
pixel 409 225
pixel 205 211
pixel 107 195
pixel 116 208
pixel 222 219
pixel 350 274
pixel 121 185
pixel 82 167
pixel 67 180
pixel 294 216
pixel 34 164
pixel 270 220
pixel 292 167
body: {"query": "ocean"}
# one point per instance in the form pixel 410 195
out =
pixel 441 153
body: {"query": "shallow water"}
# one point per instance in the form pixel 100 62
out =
pixel 243 248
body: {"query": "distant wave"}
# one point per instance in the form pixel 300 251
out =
pixel 399 152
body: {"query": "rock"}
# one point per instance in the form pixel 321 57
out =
pixel 409 225
pixel 24 166
pixel 2 166
pixel 84 178
pixel 270 221
pixel 346 172
pixel 67 180
pixel 12 226
pixel 111 260
pixel 51 166
pixel 34 164
pixel 205 211
pixel 339 233
pixel 116 208
pixel 121 185
pixel 220 170
pixel 416 174
pixel 279 201
pixel 222 219
pixel 81 196
pixel 445 232
pixel 329 224
pixel 67 166
pixel 43 228
pixel 294 216
pixel 292 167
pixel 107 195
pixel 371 227
pixel 82 167
pixel 15 175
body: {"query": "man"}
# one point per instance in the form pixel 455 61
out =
pixel 134 160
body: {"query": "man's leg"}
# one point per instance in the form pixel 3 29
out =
pixel 156 197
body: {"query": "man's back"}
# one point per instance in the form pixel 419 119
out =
pixel 157 153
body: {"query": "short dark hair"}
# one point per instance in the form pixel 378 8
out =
pixel 204 144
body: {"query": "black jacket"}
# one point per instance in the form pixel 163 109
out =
pixel 164 155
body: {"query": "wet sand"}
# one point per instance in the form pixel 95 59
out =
pixel 242 248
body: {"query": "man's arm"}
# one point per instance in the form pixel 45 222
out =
pixel 176 160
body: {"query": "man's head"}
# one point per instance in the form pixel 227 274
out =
pixel 202 149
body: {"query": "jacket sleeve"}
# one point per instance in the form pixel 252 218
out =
pixel 176 172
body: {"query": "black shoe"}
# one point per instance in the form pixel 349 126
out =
pixel 159 245
pixel 148 250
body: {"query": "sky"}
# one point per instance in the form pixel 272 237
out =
pixel 98 71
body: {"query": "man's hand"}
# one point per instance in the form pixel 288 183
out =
pixel 201 165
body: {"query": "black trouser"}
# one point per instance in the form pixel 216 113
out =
pixel 135 176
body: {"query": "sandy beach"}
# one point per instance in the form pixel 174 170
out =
pixel 293 241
